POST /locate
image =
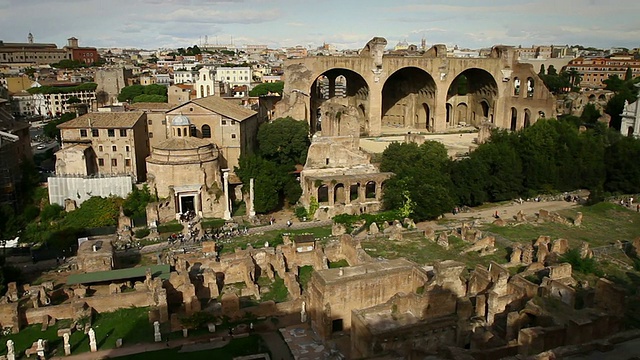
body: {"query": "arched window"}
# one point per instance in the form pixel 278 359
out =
pixel 179 132
pixel 516 86
pixel 206 131
pixel 208 90
pixel 201 90
pixel 530 87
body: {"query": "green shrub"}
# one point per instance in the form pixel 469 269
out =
pixel 585 266
pixel 301 213
pixel 170 227
pixel 142 233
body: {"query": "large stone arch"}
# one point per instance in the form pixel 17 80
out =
pixel 408 95
pixel 477 88
pixel 352 91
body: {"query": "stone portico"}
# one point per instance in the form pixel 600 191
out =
pixel 340 178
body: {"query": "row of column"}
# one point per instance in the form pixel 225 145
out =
pixel 346 189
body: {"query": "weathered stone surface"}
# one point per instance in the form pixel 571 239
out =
pixel 516 255
pixel 443 240
pixel 485 245
pixel 373 229
pixel 500 222
pixel 338 229
pixel 585 251
pixel 520 216
pixel 560 246
pixel 430 234
pixel 578 220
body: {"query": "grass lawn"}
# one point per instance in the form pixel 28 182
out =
pixel 338 264
pixel 422 251
pixel 602 224
pixel 278 291
pixel 250 345
pixel 132 325
pixel 304 275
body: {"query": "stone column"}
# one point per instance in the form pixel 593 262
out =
pixel 347 193
pixel 227 210
pixel 252 209
pixel 67 345
pixel 11 355
pixel 332 86
pixel 92 340
pixel 156 332
pixel 331 192
pixel 379 191
pixel 362 193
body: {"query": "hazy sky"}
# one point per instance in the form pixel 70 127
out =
pixel 346 23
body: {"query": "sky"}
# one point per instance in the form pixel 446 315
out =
pixel 347 24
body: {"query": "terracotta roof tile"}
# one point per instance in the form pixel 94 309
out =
pixel 108 120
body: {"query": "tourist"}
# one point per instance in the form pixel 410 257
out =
pixel 289 223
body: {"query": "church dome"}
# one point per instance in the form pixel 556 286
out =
pixel 180 120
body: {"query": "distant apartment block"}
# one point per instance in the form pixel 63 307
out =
pixel 593 71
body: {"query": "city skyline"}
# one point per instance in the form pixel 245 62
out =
pixel 152 24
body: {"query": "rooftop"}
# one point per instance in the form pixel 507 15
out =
pixel 162 271
pixel 372 269
pixel 222 107
pixel 107 120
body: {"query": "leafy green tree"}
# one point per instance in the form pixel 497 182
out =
pixel 135 205
pixel 149 98
pixel 421 177
pixel 268 181
pixel 628 75
pixel 284 140
pixel 551 71
pixel 266 88
pixel 590 114
pixel 542 71
pixel 129 92
pixel 51 131
pixel 155 89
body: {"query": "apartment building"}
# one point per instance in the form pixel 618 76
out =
pixel 593 71
pixel 104 144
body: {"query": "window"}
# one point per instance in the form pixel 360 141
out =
pixel 126 148
pixel 99 147
pixel 179 132
pixel 127 162
pixel 150 135
pixel 149 122
pixel 111 132
pixel 206 131
pixel 164 121
pixel 123 132
pixel 100 162
pixel 114 162
pixel 233 136
pixel 224 122
pixel 114 148
pixel 83 132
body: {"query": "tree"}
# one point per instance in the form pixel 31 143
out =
pixel 149 98
pixel 155 89
pixel 102 97
pixel 266 88
pixel 541 72
pixel 551 71
pixel 135 205
pixel 590 114
pixel 129 92
pixel 73 100
pixel 628 75
pixel 285 141
pixel 267 181
pixel 51 131
pixel 421 178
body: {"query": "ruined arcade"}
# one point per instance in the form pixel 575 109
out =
pixel 427 91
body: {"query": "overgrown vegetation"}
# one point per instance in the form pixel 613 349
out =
pixel 550 156
pixel 266 88
pixel 89 86
pixel 586 265
pixel 282 144
pixel 142 93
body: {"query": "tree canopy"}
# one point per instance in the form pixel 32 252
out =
pixel 266 88
pixel 421 179
pixel 135 93
pixel 282 144
pixel 552 155
pixel 51 131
